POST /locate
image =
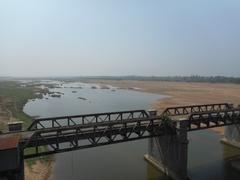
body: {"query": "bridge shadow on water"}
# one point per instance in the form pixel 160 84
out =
pixel 118 161
pixel 209 159
pixel 154 174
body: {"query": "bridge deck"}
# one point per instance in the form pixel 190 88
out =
pixel 68 133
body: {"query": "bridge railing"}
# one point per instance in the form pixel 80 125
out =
pixel 197 121
pixel 91 134
pixel 117 127
pixel 56 122
pixel 64 121
pixel 187 110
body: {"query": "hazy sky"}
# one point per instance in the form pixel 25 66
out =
pixel 119 37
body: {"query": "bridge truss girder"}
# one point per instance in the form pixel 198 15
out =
pixel 89 135
pixel 109 128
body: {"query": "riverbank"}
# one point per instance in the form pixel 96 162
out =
pixel 40 170
pixel 13 97
pixel 177 93
pixel 182 93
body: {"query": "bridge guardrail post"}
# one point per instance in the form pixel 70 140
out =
pixel 230 106
pixel 21 164
pixel 152 113
pixel 182 126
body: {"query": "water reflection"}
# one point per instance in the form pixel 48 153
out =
pixel 231 155
pixel 207 157
pixel 154 174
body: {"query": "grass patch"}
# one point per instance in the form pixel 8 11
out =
pixel 32 161
pixel 14 96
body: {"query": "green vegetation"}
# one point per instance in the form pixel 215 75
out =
pixel 168 125
pixel 15 97
pixel 32 161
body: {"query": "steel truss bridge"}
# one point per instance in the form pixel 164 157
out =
pixel 61 134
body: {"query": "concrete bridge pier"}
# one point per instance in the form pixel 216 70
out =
pixel 18 173
pixel 11 158
pixel 232 135
pixel 169 153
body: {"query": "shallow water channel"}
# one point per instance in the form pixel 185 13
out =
pixel 206 157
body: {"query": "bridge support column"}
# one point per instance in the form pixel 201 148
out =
pixel 232 135
pixel 11 158
pixel 169 153
pixel 21 165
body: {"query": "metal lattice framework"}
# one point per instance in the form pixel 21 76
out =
pixel 67 121
pixel 90 135
pixel 186 110
pixel 197 121
pixel 61 134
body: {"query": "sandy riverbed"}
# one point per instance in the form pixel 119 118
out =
pixel 39 171
pixel 183 93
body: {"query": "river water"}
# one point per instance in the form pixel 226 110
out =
pixel 206 156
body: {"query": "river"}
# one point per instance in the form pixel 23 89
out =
pixel 206 157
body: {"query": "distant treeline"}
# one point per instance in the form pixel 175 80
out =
pixel 195 78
